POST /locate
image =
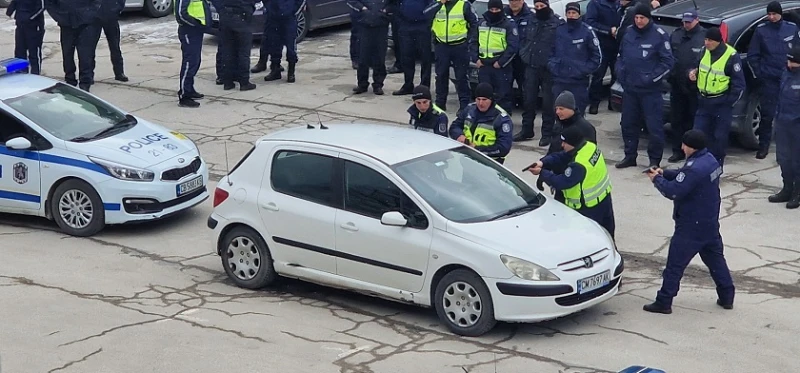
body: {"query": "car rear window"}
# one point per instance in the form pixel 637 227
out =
pixel 670 24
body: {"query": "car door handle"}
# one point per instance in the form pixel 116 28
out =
pixel 349 226
pixel 270 206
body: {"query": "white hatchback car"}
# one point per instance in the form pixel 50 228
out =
pixel 409 216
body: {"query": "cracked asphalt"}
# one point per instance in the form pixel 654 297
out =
pixel 154 297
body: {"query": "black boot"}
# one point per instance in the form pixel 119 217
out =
pixel 290 73
pixel 762 152
pixel 593 108
pixel 676 157
pixel 259 67
pixel 784 195
pixel 626 162
pixel 795 201
pixel 656 307
pixel 274 74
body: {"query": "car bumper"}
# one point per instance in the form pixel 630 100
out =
pixel 216 223
pixel 128 202
pixel 531 303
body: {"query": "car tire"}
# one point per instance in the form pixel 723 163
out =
pixel 746 136
pixel 72 201
pixel 156 9
pixel 303 24
pixel 464 285
pixel 246 258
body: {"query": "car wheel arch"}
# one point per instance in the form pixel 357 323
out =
pixel 238 224
pixel 439 275
pixel 48 213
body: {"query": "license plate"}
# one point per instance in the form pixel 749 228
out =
pixel 594 282
pixel 215 16
pixel 189 186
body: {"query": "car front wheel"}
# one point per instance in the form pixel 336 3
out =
pixel 747 136
pixel 303 19
pixel 464 304
pixel 77 209
pixel 157 8
pixel 247 259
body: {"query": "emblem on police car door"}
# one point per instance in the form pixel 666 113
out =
pixel 20 173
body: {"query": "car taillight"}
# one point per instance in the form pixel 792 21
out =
pixel 723 29
pixel 220 195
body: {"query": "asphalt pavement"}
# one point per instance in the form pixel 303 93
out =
pixel 154 297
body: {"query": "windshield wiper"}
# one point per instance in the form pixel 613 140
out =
pixel 531 205
pixel 80 139
pixel 124 123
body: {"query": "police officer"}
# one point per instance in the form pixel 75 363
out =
pixel 282 15
pixel 604 17
pixel 577 56
pixel 585 182
pixel 625 11
pixel 455 28
pixel 375 19
pixel 266 44
pixel 414 28
pixel 498 44
pixel 687 47
pixel 484 125
pixel 787 133
pixel 109 22
pixel 694 190
pixel 80 30
pixel 522 16
pixel 424 115
pixel 193 16
pixel 767 57
pixel 721 83
pixel 536 48
pixel 645 58
pixel 234 21
pixel 29 34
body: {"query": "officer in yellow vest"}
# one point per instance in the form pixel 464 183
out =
pixel 484 125
pixel 455 28
pixel 585 182
pixel 720 81
pixel 498 44
pixel 193 17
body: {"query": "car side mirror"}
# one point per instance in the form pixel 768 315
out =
pixel 394 218
pixel 19 143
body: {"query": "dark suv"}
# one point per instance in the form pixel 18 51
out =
pixel 737 19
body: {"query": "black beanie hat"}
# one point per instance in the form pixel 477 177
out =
pixel 794 54
pixel 714 33
pixel 495 4
pixel 774 7
pixel 572 135
pixel 484 90
pixel 694 139
pixel 642 9
pixel 421 92
pixel 545 2
pixel 573 6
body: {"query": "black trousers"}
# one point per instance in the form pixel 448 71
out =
pixel 538 80
pixel 373 56
pixel 111 30
pixel 416 43
pixel 399 51
pixel 237 41
pixel 84 39
pixel 28 39
pixel 683 104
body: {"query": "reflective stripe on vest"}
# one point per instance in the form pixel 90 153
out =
pixel 491 41
pixel 196 10
pixel 711 78
pixel 595 186
pixel 485 134
pixel 450 27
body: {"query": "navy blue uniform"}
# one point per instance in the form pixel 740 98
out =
pixel 602 15
pixel 79 30
pixel 569 174
pixel 456 55
pixel 715 114
pixel 190 33
pixel 694 190
pixel 500 121
pixel 414 36
pixel 234 19
pixel 109 23
pixel 523 20
pixel 767 57
pixel 537 47
pixel 501 78
pixel 687 47
pixel 787 128
pixel 576 56
pixel 355 37
pixel 29 34
pixel 374 22
pixel 433 121
pixel 282 22
pixel 645 59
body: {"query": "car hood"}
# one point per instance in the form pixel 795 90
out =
pixel 143 145
pixel 548 236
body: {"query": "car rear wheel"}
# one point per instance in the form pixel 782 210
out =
pixel 77 209
pixel 464 304
pixel 747 137
pixel 246 258
pixel 157 8
pixel 303 19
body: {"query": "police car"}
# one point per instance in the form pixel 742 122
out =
pixel 71 157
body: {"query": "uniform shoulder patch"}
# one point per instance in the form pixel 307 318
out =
pixel 661 31
pixel 737 67
pixel 443 127
pixel 568 172
pixel 506 127
pixel 667 45
pixel 690 163
pixel 761 25
pixel 514 31
pixel 681 176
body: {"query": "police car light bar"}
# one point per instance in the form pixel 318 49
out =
pixel 13 65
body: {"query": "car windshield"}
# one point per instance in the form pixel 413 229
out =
pixel 466 187
pixel 68 113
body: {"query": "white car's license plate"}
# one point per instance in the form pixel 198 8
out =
pixel 594 282
pixel 190 186
pixel 215 16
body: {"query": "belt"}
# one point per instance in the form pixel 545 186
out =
pixel 712 96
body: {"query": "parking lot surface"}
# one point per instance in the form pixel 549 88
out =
pixel 154 298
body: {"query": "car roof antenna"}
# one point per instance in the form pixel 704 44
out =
pixel 310 127
pixel 227 168
pixel 321 126
pixel 695 5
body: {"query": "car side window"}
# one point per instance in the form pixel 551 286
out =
pixel 369 193
pixel 304 175
pixel 10 128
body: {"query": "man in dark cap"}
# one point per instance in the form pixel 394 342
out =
pixel 694 190
pixel 498 44
pixel 720 81
pixel 426 116
pixel 767 57
pixel 787 133
pixel 604 17
pixel 484 125
pixel 584 182
pixel 645 59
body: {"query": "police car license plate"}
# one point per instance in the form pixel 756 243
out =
pixel 215 16
pixel 594 282
pixel 189 186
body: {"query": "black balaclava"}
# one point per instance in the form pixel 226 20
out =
pixel 544 13
pixel 495 17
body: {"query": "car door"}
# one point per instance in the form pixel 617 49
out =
pixel 391 256
pixel 20 176
pixel 297 203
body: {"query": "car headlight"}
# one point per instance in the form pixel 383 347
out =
pixel 123 172
pixel 527 270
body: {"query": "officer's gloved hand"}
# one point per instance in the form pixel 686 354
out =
pixel 540 184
